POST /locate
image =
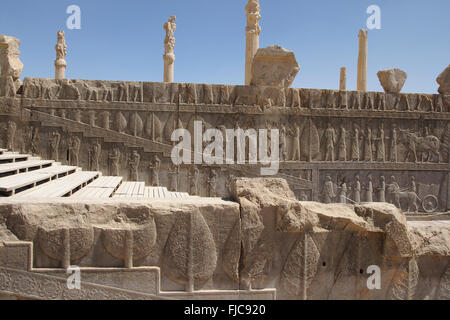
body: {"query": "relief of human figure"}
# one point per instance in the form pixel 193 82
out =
pixel 155 166
pixel 114 162
pixel 382 189
pixel 328 190
pixel 381 146
pixel 95 153
pixel 173 177
pixel 74 150
pixel 382 101
pixel 11 135
pixel 133 164
pixel 54 141
pixel 296 144
pixel 368 153
pixel 369 189
pixel 212 184
pixel 35 141
pixel 343 191
pixel 357 189
pixel 394 149
pixel 283 144
pixel 355 145
pixel 193 181
pixel 342 149
pixel 330 140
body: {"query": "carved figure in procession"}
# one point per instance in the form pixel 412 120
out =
pixel 343 191
pixel 381 146
pixel 54 141
pixel 342 149
pixel 355 154
pixel 74 150
pixel 394 148
pixel 330 140
pixel 283 144
pixel 133 164
pixel 173 177
pixel 212 183
pixel 369 189
pixel 114 162
pixel 357 189
pixel 368 152
pixel 10 135
pixel 193 181
pixel 328 190
pixel 295 143
pixel 155 167
pixel 94 155
pixel 382 190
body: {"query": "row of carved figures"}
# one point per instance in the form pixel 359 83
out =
pixel 356 192
pixel 189 93
pixel 366 145
pixel 133 163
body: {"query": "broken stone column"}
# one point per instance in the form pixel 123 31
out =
pixel 392 80
pixel 444 81
pixel 362 60
pixel 10 65
pixel 343 79
pixel 253 30
pixel 61 52
pixel 169 47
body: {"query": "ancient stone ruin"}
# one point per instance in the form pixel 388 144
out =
pixel 87 180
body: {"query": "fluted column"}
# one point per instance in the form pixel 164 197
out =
pixel 362 60
pixel 253 30
pixel 61 52
pixel 169 47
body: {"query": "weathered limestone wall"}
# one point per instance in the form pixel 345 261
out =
pixel 372 139
pixel 268 240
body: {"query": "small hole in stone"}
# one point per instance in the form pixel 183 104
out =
pixel 324 264
pixel 361 271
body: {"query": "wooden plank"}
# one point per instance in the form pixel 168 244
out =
pixel 13 157
pixel 106 182
pixel 17 166
pixel 60 187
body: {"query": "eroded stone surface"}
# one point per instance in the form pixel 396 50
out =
pixel 274 66
pixel 392 80
pixel 10 65
pixel 444 81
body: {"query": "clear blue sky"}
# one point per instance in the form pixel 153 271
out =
pixel 123 40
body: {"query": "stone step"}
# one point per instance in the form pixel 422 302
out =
pixel 14 184
pixel 62 187
pixel 24 166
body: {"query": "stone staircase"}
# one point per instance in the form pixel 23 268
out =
pixel 23 176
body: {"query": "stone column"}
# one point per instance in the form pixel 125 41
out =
pixel 343 80
pixel 253 30
pixel 362 60
pixel 61 52
pixel 169 47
